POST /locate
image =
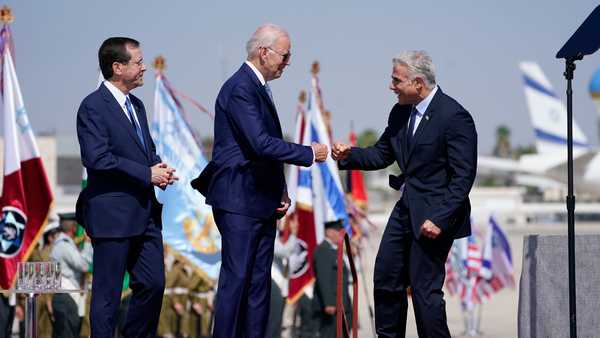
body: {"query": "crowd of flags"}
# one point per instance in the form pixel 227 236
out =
pixel 480 266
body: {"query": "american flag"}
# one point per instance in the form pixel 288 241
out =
pixel 475 274
pixel 474 256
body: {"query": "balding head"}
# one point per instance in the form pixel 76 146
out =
pixel 265 36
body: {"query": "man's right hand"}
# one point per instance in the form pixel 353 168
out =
pixel 320 151
pixel 162 175
pixel 330 310
pixel 340 151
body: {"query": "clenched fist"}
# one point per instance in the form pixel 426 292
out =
pixel 340 151
pixel 320 151
pixel 430 230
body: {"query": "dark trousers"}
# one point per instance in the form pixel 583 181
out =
pixel 403 260
pixel 7 316
pixel 308 320
pixel 142 257
pixel 276 311
pixel 67 323
pixel 243 294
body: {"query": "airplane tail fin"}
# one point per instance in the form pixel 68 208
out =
pixel 548 114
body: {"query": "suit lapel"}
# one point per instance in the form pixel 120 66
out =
pixel 403 144
pixel 119 115
pixel 143 120
pixel 272 109
pixel 400 124
pixel 425 121
pixel 265 96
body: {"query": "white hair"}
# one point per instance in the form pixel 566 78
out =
pixel 419 64
pixel 264 36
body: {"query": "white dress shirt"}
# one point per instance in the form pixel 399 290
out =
pixel 421 108
pixel 121 98
pixel 258 74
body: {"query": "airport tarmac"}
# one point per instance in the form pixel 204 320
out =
pixel 499 314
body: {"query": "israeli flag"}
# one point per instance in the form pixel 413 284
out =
pixel 188 225
pixel 328 196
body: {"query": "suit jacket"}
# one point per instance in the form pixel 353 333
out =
pixel 439 167
pixel 119 199
pixel 249 152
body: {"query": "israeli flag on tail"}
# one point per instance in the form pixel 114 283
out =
pixel 188 225
pixel 549 114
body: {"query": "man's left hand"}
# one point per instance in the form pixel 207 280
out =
pixel 284 204
pixel 430 230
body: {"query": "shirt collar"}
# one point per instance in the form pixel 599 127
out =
pixel 116 92
pixel 422 106
pixel 260 77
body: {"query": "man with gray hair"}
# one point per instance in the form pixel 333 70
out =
pixel 245 183
pixel 434 141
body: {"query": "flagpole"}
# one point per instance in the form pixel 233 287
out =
pixel 160 64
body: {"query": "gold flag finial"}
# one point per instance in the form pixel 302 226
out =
pixel 302 97
pixel 315 68
pixel 6 15
pixel 160 63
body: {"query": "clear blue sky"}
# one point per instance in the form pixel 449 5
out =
pixel 475 45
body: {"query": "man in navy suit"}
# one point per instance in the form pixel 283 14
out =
pixel 118 207
pixel 434 141
pixel 247 185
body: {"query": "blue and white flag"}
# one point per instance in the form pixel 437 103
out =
pixel 328 194
pixel 188 225
pixel 498 254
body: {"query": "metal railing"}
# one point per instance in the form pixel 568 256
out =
pixel 342 327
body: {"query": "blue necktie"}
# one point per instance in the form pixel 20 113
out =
pixel 411 126
pixel 136 128
pixel 268 90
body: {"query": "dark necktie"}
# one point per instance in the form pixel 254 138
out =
pixel 411 126
pixel 136 127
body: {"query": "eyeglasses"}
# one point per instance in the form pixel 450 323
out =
pixel 285 57
pixel 396 81
pixel 137 63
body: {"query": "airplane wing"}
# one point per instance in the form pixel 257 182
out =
pixel 491 164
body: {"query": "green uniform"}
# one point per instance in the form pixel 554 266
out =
pixel 200 322
pixel 325 267
pixel 171 323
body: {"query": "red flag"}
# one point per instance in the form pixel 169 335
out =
pixel 301 274
pixel 26 195
pixel 355 180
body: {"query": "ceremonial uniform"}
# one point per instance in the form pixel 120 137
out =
pixel 325 268
pixel 200 296
pixel 171 323
pixel 68 308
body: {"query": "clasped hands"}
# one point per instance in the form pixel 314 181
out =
pixel 163 175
